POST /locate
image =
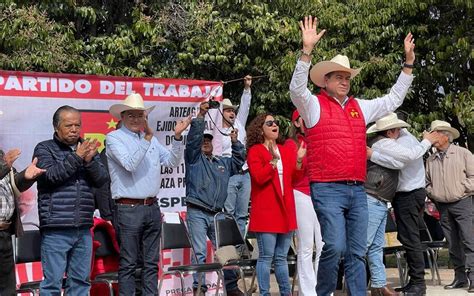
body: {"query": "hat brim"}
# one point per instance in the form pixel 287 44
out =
pixel 209 136
pixel 399 124
pixel 320 70
pixel 117 109
pixel 452 130
pixel 235 107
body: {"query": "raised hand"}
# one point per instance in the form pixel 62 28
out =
pixel 271 148
pixel 409 46
pixel 32 171
pixel 203 108
pixel 82 149
pixel 309 33
pixel 11 156
pixel 247 81
pixel 93 145
pixel 148 131
pixel 301 153
pixel 181 126
pixel 433 137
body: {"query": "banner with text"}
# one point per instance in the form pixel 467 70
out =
pixel 28 101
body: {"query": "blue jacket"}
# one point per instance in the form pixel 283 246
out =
pixel 207 179
pixel 65 193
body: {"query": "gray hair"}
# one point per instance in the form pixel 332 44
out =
pixel 448 134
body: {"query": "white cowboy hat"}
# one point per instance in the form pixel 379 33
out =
pixel 338 63
pixel 387 122
pixel 439 125
pixel 227 104
pixel 133 102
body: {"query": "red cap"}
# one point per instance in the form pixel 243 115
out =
pixel 295 115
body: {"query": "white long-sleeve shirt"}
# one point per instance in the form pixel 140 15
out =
pixel 404 154
pixel 309 108
pixel 239 124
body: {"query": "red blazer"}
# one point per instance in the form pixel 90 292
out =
pixel 272 210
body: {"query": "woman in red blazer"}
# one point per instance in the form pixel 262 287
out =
pixel 272 168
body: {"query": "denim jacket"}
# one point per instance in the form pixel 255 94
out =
pixel 207 178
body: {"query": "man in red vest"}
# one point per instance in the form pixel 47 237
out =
pixel 337 154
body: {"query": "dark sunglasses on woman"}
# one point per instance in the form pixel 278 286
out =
pixel 270 123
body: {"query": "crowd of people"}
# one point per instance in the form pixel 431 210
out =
pixel 327 183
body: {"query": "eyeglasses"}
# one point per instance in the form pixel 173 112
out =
pixel 270 123
pixel 139 117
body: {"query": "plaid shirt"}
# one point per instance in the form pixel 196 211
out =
pixel 7 203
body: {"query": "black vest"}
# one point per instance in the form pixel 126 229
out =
pixel 381 182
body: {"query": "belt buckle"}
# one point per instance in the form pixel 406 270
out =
pixel 351 182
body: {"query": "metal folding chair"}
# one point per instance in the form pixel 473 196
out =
pixel 228 234
pixel 28 249
pixel 175 236
pixel 106 249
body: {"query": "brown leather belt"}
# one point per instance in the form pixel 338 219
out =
pixel 5 225
pixel 136 201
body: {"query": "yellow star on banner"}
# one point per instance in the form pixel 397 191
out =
pixel 111 124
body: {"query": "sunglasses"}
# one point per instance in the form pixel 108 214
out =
pixel 270 123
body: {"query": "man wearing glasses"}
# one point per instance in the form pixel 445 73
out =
pixel 135 158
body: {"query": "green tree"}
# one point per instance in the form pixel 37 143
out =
pixel 224 40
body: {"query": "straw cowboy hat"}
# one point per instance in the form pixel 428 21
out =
pixel 227 104
pixel 132 102
pixel 439 125
pixel 387 122
pixel 338 63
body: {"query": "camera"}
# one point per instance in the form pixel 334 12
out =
pixel 213 104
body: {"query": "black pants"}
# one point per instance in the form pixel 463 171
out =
pixel 408 208
pixel 456 221
pixel 139 232
pixel 7 265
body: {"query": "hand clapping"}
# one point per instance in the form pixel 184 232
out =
pixel 87 149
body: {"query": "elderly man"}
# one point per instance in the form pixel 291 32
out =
pixel 238 191
pixel 207 176
pixel 66 203
pixel 386 157
pixel 337 154
pixel 10 222
pixel 135 158
pixel 450 182
pixel 409 201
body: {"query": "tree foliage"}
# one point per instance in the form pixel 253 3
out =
pixel 223 40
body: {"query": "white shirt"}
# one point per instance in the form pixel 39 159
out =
pixel 280 169
pixel 135 163
pixel 310 110
pixel 404 154
pixel 239 124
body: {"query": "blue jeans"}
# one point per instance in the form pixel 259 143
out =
pixel 201 224
pixel 139 232
pixel 238 196
pixel 273 247
pixel 376 241
pixel 342 214
pixel 66 250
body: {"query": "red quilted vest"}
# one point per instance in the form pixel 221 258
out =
pixel 337 143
